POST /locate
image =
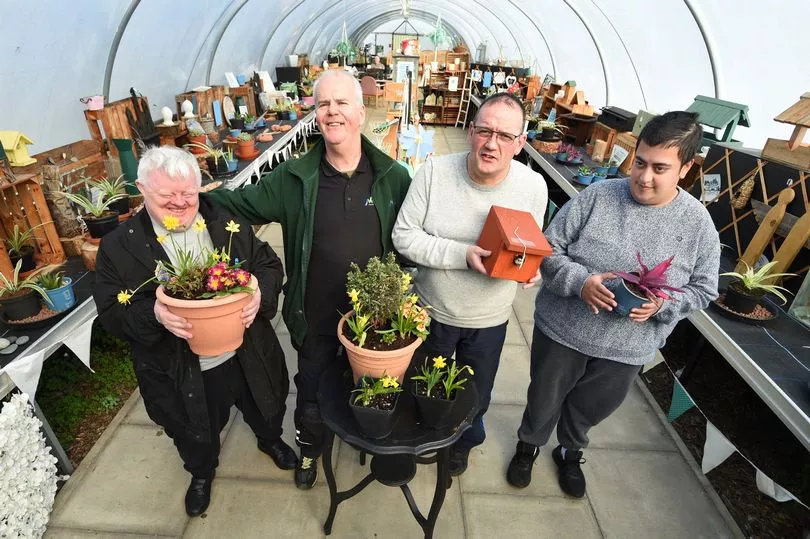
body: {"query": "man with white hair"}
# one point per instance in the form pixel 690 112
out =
pixel 337 204
pixel 191 396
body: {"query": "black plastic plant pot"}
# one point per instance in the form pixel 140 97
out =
pixel 99 226
pixel 218 166
pixel 433 411
pixel 121 206
pixel 237 123
pixel 739 300
pixel 284 115
pixel 549 135
pixel 20 307
pixel 373 422
pixel 27 255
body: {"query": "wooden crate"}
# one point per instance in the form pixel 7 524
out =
pixel 628 142
pixel 205 101
pixel 245 91
pixel 464 58
pixel 602 132
pixel 114 121
pixel 23 203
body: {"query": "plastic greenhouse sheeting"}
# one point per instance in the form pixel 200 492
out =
pixel 633 54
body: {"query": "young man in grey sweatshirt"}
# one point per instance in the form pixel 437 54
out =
pixel 437 228
pixel 584 356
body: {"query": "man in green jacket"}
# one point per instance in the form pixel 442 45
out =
pixel 336 205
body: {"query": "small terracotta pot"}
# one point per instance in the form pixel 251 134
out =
pixel 376 363
pixel 198 140
pixel 245 148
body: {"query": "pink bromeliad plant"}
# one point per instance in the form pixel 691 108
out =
pixel 651 282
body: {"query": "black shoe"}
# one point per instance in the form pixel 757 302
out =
pixel 458 461
pixel 571 478
pixel 306 473
pixel 519 473
pixel 198 495
pixel 280 452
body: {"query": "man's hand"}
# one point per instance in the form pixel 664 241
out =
pixel 250 310
pixel 643 313
pixel 531 282
pixel 596 295
pixel 177 325
pixel 474 256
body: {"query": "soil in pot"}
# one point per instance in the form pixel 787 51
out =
pixel 100 226
pixel 740 300
pixel 375 342
pixel 377 420
pixel 27 255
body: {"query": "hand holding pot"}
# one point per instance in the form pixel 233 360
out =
pixel 643 313
pixel 250 310
pixel 596 295
pixel 177 325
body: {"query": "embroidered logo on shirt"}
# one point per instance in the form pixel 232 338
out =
pixel 370 201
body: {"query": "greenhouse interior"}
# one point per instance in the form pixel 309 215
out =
pixel 540 266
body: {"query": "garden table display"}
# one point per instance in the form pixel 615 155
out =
pixel 394 458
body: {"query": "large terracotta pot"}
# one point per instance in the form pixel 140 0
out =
pixel 216 324
pixel 376 363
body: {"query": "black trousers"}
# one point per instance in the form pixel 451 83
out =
pixel 572 391
pixel 316 353
pixel 481 350
pixel 225 385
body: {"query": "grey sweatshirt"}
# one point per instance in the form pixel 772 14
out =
pixel 441 216
pixel 599 231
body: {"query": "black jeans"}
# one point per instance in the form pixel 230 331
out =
pixel 481 350
pixel 317 352
pixel 225 385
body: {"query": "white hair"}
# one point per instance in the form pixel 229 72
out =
pixel 358 90
pixel 176 163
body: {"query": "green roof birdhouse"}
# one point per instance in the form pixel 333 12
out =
pixel 719 114
pixel 14 143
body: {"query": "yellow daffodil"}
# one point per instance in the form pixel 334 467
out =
pixel 470 369
pixel 362 320
pixel 199 224
pixel 124 296
pixel 353 295
pixel 226 257
pixel 162 237
pixel 388 381
pixel 232 226
pixel 406 281
pixel 215 255
pixel 439 362
pixel 414 298
pixel 170 222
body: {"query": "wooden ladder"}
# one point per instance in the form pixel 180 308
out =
pixel 464 106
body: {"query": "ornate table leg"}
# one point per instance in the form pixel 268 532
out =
pixel 330 480
pixel 442 482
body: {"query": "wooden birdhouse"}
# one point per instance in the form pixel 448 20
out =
pixel 719 114
pixel 14 143
pixel 792 151
pixel 516 242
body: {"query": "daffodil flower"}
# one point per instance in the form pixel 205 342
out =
pixel 162 237
pixel 353 295
pixel 170 222
pixel 124 296
pixel 232 226
pixel 199 224
pixel 439 362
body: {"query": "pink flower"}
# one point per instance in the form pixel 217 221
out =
pixel 214 284
pixel 242 277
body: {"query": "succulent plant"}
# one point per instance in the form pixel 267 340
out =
pixel 196 132
pixel 244 137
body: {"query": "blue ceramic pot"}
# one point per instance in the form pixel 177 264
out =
pixel 231 165
pixel 613 171
pixel 585 180
pixel 293 115
pixel 627 300
pixel 259 123
pixel 598 178
pixel 531 134
pixel 62 298
pixel 235 132
pixel 602 171
pixel 562 156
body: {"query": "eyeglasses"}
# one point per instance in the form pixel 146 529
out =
pixel 503 138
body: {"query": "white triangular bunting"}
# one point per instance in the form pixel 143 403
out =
pixel 716 449
pixel 25 371
pixel 79 342
pixel 766 486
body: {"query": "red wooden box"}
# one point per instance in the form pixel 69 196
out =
pixel 502 234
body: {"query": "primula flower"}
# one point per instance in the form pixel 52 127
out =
pixel 214 284
pixel 162 237
pixel 439 362
pixel 217 270
pixel 199 224
pixel 353 295
pixel 421 327
pixel 124 296
pixel 228 282
pixel 232 226
pixel 170 222
pixel 242 277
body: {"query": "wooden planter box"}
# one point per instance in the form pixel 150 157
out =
pixel 628 142
pixel 512 235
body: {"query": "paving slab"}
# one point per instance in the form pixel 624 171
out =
pixel 524 304
pixel 512 380
pixel 514 335
pixel 649 494
pixel 68 533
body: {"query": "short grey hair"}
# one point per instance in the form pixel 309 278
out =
pixel 176 163
pixel 358 90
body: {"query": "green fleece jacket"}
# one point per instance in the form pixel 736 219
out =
pixel 287 195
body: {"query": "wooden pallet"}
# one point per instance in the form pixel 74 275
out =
pixel 205 101
pixel 114 121
pixel 245 91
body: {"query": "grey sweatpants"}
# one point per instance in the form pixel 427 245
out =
pixel 570 390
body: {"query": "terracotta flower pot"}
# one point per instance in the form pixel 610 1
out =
pixel 198 140
pixel 245 148
pixel 376 363
pixel 216 324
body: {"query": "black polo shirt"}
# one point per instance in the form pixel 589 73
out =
pixel 346 229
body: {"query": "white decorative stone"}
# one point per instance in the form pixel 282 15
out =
pixel 10 349
pixel 4 343
pixel 188 109
pixel 22 340
pixel 166 112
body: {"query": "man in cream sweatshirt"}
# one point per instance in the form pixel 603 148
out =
pixel 437 228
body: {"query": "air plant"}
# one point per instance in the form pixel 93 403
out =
pixel 652 282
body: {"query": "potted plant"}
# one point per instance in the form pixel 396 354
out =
pixel 20 248
pixel 435 389
pixel 237 122
pixel 747 289
pixel 601 171
pixel 98 216
pixel 218 160
pixel 58 290
pixel 20 299
pixel 386 325
pixel 613 167
pixel 585 175
pixel 373 403
pixel 196 136
pixel 112 188
pixel 640 286
pixel 551 131
pixel 245 146
pixel 250 122
pixel 206 288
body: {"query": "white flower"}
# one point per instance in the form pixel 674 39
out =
pixel 28 473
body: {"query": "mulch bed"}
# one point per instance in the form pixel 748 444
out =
pixel 738 412
pixel 90 430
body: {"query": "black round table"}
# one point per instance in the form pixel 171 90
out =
pixel 394 457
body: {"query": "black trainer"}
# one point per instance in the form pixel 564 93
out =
pixel 571 478
pixel 306 473
pixel 198 495
pixel 458 461
pixel 519 473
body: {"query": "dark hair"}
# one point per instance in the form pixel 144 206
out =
pixel 507 99
pixel 677 128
